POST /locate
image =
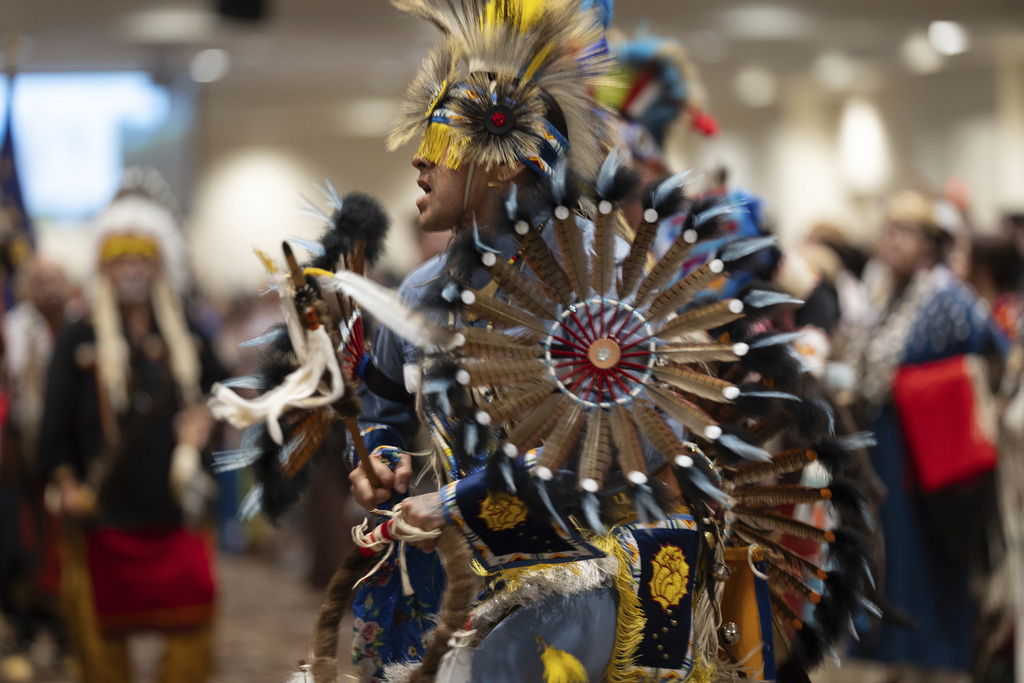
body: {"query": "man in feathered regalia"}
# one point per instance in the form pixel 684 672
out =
pixel 609 505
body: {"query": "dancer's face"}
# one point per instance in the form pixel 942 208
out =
pixel 446 204
pixel 132 277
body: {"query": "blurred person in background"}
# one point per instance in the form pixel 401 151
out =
pixel 29 576
pixel 923 391
pixel 121 437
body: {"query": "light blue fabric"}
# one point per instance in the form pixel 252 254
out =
pixel 582 624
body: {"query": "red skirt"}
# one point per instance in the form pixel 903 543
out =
pixel 150 579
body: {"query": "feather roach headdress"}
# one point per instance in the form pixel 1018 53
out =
pixel 511 81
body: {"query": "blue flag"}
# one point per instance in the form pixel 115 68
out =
pixel 16 236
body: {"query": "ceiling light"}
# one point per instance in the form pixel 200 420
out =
pixel 766 22
pixel 209 65
pixel 755 87
pixel 948 37
pixel 864 154
pixel 835 71
pixel 919 55
pixel 165 25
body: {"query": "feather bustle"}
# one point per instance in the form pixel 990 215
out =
pixel 596 456
pixel 492 344
pixel 679 294
pixel 531 431
pixel 681 410
pixel 694 382
pixel 702 318
pixel 523 291
pixel 502 314
pixel 785 525
pixel 781 463
pixel 513 403
pixel 495 372
pixel 561 442
pixel 633 266
pixel 666 267
pixel 542 262
pixel 570 242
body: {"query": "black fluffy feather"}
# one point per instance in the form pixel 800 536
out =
pixel 360 219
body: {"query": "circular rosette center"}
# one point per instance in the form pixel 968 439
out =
pixel 600 352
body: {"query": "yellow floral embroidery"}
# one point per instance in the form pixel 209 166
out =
pixel 668 582
pixel 502 511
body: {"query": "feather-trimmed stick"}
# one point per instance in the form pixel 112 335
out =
pixel 499 313
pixel 697 383
pixel 603 269
pixel 538 423
pixel 463 586
pixel 783 494
pixel 574 255
pixel 492 344
pixel 514 401
pixel 522 290
pixel 311 431
pixel 561 442
pixel 679 294
pixel 781 463
pixel 685 413
pixel 666 267
pixel 542 262
pixel 596 456
pixel 790 583
pixel 786 525
pixel 388 309
pixel 701 353
pixel 633 266
pixel 628 450
pixel 340 590
pixel 754 537
pixel 703 318
pixel 492 372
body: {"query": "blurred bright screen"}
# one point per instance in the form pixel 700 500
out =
pixel 71 131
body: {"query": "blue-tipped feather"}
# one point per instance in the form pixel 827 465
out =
pixel 592 513
pixel 858 440
pixel 312 246
pixel 663 192
pixel 330 193
pixel 309 207
pixel 239 458
pixel 780 395
pixel 251 504
pixel 265 338
pixel 738 249
pixel 775 340
pixel 244 382
pixel 743 449
pixel 606 176
pixel 560 180
pixel 512 203
pixel 720 209
pixel 764 298
pixel 480 244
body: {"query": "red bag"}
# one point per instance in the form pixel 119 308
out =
pixel 150 579
pixel 948 420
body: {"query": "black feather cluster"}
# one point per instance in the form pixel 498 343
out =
pixel 361 219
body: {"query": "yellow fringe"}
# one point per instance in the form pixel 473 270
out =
pixel 561 666
pixel 703 671
pixel 442 145
pixel 629 629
